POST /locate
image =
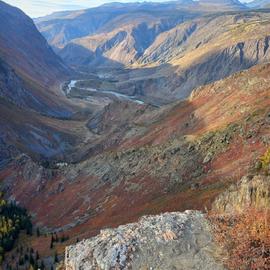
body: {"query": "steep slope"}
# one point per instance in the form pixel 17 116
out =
pixel 28 62
pixel 123 31
pixel 25 49
pixel 207 32
pixel 30 78
pixel 122 45
pixel 123 38
pixel 28 95
pixel 180 157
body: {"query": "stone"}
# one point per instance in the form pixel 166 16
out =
pixel 167 241
pixel 208 158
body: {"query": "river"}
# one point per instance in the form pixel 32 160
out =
pixel 116 94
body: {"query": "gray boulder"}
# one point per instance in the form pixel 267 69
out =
pixel 167 241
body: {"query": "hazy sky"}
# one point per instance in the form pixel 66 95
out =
pixel 36 8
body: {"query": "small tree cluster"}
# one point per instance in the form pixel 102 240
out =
pixel 13 219
pixel 26 258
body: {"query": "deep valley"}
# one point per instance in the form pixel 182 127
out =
pixel 136 136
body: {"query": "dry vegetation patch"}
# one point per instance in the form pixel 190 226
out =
pixel 245 238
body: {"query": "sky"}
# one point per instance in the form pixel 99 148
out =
pixel 37 8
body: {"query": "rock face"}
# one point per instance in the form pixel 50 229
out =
pixel 167 241
pixel 120 35
pixel 197 55
pixel 250 192
pixel 119 46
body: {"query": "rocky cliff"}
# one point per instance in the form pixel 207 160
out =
pixel 167 241
pixel 187 240
pixel 199 52
pixel 249 192
pixel 125 33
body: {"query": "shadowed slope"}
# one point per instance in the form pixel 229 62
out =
pixel 28 62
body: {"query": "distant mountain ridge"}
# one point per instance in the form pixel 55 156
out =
pixel 225 4
pixel 97 35
pixel 259 4
pixel 61 27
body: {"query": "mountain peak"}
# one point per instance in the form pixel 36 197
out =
pixel 259 4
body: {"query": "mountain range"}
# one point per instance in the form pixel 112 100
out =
pixel 123 111
pixel 164 39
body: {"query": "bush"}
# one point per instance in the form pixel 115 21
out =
pixel 245 238
pixel 265 159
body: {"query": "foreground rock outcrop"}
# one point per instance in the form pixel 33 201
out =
pixel 167 241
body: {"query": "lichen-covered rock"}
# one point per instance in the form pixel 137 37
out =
pixel 168 241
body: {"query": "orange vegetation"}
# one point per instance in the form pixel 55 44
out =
pixel 245 238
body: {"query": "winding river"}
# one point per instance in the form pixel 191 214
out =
pixel 72 84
